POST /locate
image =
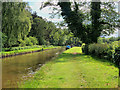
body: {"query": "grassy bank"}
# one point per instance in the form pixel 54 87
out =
pixel 4 53
pixel 73 70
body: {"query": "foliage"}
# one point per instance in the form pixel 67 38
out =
pixel 48 34
pixel 33 40
pixel 21 28
pixel 22 43
pixel 38 28
pixel 16 22
pixel 107 51
pixel 28 42
pixel 74 19
pixel 4 39
pixel 107 40
pixel 85 49
pixel 98 49
pixel 99 18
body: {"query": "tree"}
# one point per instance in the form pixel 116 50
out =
pixel 101 20
pixel 38 28
pixel 75 20
pixel 16 22
pixel 96 15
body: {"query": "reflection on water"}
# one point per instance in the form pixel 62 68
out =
pixel 18 68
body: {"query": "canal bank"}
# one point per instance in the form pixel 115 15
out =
pixel 19 68
pixel 25 51
pixel 72 69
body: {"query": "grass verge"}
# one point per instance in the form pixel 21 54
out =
pixel 26 50
pixel 75 71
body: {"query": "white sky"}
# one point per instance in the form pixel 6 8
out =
pixel 35 6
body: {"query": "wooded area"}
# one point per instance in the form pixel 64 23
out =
pixel 20 27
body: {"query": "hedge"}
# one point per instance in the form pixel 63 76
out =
pixel 107 51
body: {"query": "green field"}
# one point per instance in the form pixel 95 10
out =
pixel 72 69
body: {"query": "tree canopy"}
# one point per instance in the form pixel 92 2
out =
pixel 99 18
pixel 21 27
pixel 86 21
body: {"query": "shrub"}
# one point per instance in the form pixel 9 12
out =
pixel 28 42
pixel 22 43
pixel 44 46
pixel 4 39
pixel 97 49
pixel 107 51
pixel 33 40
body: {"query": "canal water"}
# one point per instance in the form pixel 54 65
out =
pixel 19 68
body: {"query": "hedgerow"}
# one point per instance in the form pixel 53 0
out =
pixel 109 51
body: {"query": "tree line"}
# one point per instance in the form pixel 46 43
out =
pixel 21 27
pixel 107 40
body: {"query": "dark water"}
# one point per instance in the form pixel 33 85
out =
pixel 20 68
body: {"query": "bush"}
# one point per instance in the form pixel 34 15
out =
pixel 22 43
pixel 44 46
pixel 98 49
pixel 33 40
pixel 4 39
pixel 106 51
pixel 28 42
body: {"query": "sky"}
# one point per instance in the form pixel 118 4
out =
pixel 35 6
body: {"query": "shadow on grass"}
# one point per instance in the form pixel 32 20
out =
pixel 66 57
pixel 104 60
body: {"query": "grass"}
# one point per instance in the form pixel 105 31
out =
pixel 25 50
pixel 74 50
pixel 75 71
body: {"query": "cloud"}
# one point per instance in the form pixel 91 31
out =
pixel 55 19
pixel 35 6
pixel 115 34
pixel 35 0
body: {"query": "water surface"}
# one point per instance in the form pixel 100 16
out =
pixel 19 68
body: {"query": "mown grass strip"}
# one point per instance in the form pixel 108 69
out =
pixel 75 71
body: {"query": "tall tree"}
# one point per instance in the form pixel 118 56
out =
pixel 96 15
pixel 99 19
pixel 16 21
pixel 38 28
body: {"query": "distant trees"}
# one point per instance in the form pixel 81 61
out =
pixel 38 28
pixel 47 33
pixel 107 40
pixel 22 28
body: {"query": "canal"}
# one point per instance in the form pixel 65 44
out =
pixel 19 68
